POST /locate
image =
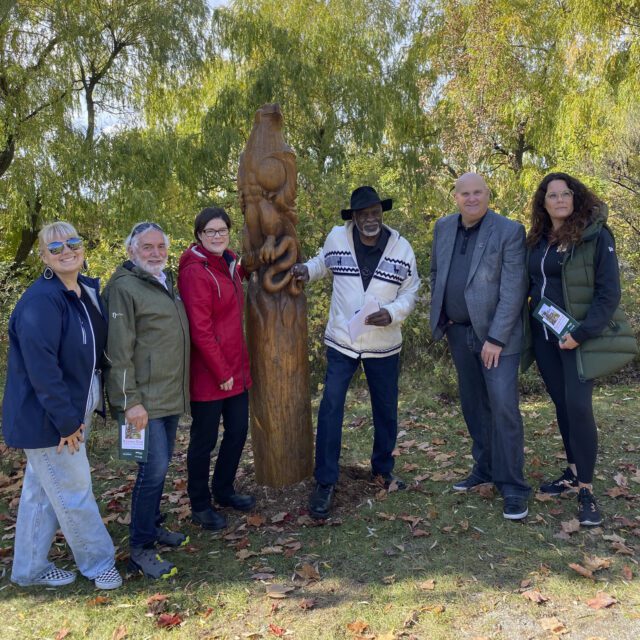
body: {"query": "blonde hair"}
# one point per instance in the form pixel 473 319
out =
pixel 50 232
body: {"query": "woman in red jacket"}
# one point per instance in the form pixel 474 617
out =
pixel 210 283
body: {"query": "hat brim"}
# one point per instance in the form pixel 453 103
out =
pixel 347 214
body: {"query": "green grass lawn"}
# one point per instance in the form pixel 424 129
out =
pixel 423 563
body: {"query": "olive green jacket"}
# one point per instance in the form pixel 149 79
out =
pixel 148 344
pixel 616 345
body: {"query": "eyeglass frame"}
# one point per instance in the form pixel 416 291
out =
pixel 56 247
pixel 212 233
pixel 560 195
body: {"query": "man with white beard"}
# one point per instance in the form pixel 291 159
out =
pixel 148 380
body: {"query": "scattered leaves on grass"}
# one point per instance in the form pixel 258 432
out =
pixel 278 591
pixel 358 626
pixel 570 526
pixel 554 625
pixel 307 603
pixel 169 620
pixel 427 585
pixel 98 600
pixel 584 572
pixel 62 633
pixel 277 631
pixel 535 596
pixel 622 548
pixel 595 563
pixel 119 633
pixel 308 572
pixel 157 603
pixel 255 520
pixel 601 601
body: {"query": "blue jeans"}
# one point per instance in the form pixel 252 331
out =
pixel 57 493
pixel 382 378
pixel 490 406
pixel 147 491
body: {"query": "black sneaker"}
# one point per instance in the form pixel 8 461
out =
pixel 566 482
pixel 515 508
pixel 320 501
pixel 209 519
pixel 468 483
pixel 588 512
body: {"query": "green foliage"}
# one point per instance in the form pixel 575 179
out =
pixel 113 112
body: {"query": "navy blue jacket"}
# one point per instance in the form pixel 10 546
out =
pixel 50 365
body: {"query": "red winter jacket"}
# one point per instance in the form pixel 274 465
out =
pixel 214 301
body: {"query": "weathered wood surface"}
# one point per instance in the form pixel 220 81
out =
pixel 276 316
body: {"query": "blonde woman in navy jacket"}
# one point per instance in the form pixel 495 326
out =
pixel 57 334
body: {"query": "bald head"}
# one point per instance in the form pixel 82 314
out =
pixel 472 197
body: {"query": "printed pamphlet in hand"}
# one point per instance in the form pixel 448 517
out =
pixel 133 444
pixel 356 325
pixel 557 320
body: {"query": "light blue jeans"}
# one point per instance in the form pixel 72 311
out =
pixel 57 493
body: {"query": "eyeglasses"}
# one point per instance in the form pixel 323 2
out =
pixel 143 226
pixel 561 195
pixel 56 248
pixel 212 233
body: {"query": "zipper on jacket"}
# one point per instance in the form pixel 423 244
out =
pixel 93 353
pixel 544 284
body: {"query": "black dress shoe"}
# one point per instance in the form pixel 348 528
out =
pixel 388 479
pixel 209 519
pixel 320 501
pixel 237 501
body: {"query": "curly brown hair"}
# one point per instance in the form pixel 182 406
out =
pixel 586 206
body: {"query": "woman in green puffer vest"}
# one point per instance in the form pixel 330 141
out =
pixel 573 269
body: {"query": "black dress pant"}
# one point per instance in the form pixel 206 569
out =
pixel 573 401
pixel 204 435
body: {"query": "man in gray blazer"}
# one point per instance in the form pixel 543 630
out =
pixel 477 291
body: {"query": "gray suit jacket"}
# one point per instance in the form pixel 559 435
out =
pixel 496 286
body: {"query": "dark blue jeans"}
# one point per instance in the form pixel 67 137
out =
pixel 382 378
pixel 202 442
pixel 147 491
pixel 489 399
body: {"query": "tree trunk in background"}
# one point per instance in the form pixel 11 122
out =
pixel 280 399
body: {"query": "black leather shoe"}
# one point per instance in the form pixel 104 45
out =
pixel 237 501
pixel 388 479
pixel 320 501
pixel 209 519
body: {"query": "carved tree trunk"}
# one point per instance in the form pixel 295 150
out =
pixel 276 322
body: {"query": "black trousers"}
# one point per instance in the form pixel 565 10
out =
pixel 202 442
pixel 573 401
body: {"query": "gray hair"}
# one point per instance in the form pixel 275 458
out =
pixel 59 229
pixel 139 229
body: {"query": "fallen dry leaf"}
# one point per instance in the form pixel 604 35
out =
pixel 420 533
pixel 358 626
pixel 627 573
pixel 243 554
pixel 307 603
pixel 280 517
pixel 427 585
pixel 276 630
pixel 389 579
pixel 278 591
pixel 169 620
pixel 601 601
pixel 578 568
pixel 308 572
pixel 535 596
pixel 98 600
pixel 157 597
pixel 554 625
pixel 262 576
pixel 255 520
pixel 622 548
pixel 595 563
pixel 570 526
pixel 63 633
pixel 120 633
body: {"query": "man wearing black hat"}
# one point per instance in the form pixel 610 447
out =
pixel 372 266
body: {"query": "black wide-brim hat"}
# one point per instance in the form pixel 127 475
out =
pixel 362 198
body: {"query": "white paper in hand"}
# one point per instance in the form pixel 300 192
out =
pixel 356 325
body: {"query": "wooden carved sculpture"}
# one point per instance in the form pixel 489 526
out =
pixel 276 306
